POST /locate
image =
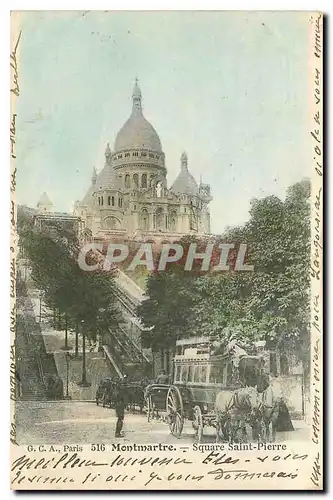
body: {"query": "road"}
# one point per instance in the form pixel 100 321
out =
pixel 84 422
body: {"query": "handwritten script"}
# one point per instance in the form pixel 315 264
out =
pixel 59 468
pixel 317 249
pixel 14 65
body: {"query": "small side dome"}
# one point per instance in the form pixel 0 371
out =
pixel 185 182
pixel 45 204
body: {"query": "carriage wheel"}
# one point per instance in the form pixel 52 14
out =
pixel 198 423
pixel 175 411
pixel 150 409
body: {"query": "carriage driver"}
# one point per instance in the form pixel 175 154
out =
pixel 237 354
pixel 162 378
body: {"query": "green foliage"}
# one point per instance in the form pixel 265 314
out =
pixel 85 298
pixel 270 303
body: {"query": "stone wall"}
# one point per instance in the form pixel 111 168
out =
pixel 291 389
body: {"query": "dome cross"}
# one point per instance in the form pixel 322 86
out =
pixel 137 97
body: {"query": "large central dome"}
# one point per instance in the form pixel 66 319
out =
pixel 137 131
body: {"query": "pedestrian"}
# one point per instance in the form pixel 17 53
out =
pixel 120 402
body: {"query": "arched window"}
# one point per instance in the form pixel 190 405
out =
pixel 144 180
pixel 109 200
pixel 144 219
pixel 99 200
pixel 136 180
pixel 120 202
pixel 112 201
pixel 111 223
pixel 102 200
pixel 173 220
pixel 159 189
pixel 159 219
pixel 127 181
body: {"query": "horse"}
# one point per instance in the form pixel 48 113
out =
pixel 270 408
pixel 235 410
pixel 274 411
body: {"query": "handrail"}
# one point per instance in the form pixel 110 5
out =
pixel 123 278
pixel 136 347
pixel 125 346
pixel 106 350
pixel 38 357
pixel 130 303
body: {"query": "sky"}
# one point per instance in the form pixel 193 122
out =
pixel 229 88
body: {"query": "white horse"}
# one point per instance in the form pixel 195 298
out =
pixel 235 411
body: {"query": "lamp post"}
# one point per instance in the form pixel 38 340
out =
pixel 101 310
pixel 84 382
pixel 66 347
pixel 68 358
pixel 76 355
pixel 40 306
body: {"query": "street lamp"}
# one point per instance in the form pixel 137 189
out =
pixel 68 358
pixel 40 306
pixel 101 310
pixel 66 347
pixel 84 382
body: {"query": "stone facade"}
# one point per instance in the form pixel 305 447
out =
pixel 130 195
pixel 44 218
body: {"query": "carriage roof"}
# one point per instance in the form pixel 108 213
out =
pixel 193 341
pixel 203 349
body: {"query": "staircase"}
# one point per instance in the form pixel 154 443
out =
pixel 97 368
pixel 121 353
pixel 129 295
pixel 28 362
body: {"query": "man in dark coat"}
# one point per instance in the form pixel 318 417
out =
pixel 120 402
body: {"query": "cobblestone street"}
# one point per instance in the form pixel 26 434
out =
pixel 84 422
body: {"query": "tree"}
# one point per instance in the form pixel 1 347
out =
pixel 82 297
pixel 271 303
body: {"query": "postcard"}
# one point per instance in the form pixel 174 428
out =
pixel 166 250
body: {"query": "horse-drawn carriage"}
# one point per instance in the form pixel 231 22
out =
pixel 134 392
pixel 135 395
pixel 104 392
pixel 211 389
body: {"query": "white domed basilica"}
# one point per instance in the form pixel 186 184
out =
pixel 130 196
